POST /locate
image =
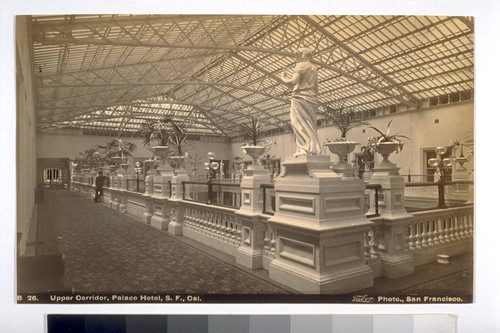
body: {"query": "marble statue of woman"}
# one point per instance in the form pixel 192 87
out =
pixel 304 104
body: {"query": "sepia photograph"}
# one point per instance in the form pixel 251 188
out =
pixel 245 158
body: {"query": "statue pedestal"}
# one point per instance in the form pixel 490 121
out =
pixel 394 227
pixel 320 229
pixel 175 225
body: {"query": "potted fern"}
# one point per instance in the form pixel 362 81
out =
pixel 386 144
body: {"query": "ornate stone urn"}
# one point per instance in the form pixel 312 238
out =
pixel 255 152
pixel 342 149
pixel 386 149
pixel 162 153
pixel 178 161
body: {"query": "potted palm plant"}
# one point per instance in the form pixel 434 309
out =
pixel 344 120
pixel 254 130
pixel 118 150
pixel 156 136
pixel 178 140
pixel 386 143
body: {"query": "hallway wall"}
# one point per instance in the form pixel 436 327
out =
pixel 454 120
pixel 26 132
pixel 69 145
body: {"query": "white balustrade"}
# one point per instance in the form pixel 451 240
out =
pixel 439 227
pixel 218 223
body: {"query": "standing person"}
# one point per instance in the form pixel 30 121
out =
pixel 99 183
pixel 304 104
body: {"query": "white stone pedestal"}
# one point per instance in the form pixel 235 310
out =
pixel 250 252
pixel 148 192
pixel 161 213
pixel 115 188
pixel 320 229
pixel 175 225
pixel 123 195
pixel 251 193
pixel 159 199
pixel 395 220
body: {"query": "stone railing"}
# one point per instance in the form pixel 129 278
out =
pixel 448 231
pixel 217 227
pixel 242 233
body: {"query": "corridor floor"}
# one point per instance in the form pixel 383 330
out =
pixel 106 251
pixel 109 252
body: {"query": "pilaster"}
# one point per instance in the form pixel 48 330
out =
pixel 177 211
pixel 148 192
pixel 396 262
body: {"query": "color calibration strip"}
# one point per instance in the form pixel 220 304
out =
pixel 251 323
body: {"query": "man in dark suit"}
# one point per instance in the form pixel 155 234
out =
pixel 100 180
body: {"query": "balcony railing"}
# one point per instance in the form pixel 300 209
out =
pixel 424 195
pixel 136 185
pixel 268 199
pixel 224 194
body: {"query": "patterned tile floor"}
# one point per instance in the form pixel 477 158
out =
pixel 109 252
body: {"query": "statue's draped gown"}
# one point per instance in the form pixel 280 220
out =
pixel 303 110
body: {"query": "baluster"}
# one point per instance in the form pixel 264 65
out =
pixel 431 232
pixel 466 226
pixel 418 236
pixel 205 222
pixel 435 233
pixel 227 231
pixel 214 222
pixel 212 226
pixel 199 222
pixel 367 246
pixel 471 224
pixel 453 229
pixel 373 244
pixel 207 225
pixel 203 217
pixel 273 245
pixel 234 230
pixel 457 228
pixel 185 218
pixel 267 240
pixel 425 226
pixel 447 230
pixel 192 218
pixel 462 226
pixel 411 237
pixel 442 232
pixel 238 234
pixel 218 229
pixel 223 230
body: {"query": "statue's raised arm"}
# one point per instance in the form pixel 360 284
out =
pixel 304 103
